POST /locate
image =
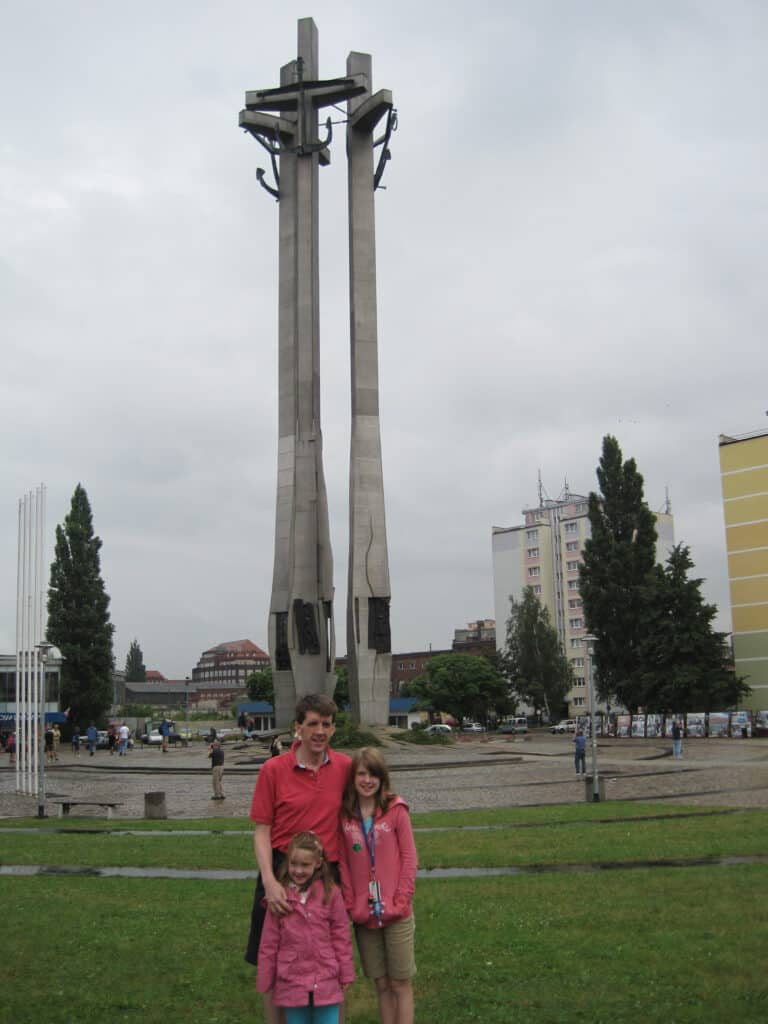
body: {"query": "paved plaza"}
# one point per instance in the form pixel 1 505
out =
pixel 467 773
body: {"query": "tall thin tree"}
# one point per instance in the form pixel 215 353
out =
pixel 533 660
pixel 618 559
pixel 135 669
pixel 78 614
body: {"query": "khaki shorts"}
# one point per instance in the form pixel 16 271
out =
pixel 388 952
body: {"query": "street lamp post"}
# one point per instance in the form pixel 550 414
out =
pixel 590 641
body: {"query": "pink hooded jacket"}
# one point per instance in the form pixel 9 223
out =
pixel 307 950
pixel 396 864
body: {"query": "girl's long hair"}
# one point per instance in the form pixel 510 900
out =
pixel 370 758
pixel 309 842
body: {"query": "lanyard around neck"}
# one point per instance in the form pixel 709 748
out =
pixel 369 838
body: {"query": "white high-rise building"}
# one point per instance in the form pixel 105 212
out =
pixel 545 552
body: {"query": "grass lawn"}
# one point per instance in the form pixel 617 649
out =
pixel 662 946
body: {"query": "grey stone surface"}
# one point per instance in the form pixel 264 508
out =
pixel 369 646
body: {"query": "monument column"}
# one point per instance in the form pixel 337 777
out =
pixel 301 631
pixel 369 643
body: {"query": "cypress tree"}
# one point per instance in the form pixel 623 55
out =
pixel 78 615
pixel 135 669
pixel 618 560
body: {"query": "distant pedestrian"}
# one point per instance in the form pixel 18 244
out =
pixel 275 747
pixel 48 737
pixel 76 740
pixel 92 736
pixel 677 740
pixel 216 754
pixel 112 737
pixel 165 731
pixel 122 740
pixel 580 751
pixel 10 748
pixel 56 740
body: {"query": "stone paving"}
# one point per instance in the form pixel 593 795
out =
pixel 470 772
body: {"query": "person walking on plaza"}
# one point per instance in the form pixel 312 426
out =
pixel 76 740
pixel 92 735
pixel 305 956
pixel 48 738
pixel 56 740
pixel 378 861
pixel 677 740
pixel 580 751
pixel 112 738
pixel 298 791
pixel 216 754
pixel 165 731
pixel 122 740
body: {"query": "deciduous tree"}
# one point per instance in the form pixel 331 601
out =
pixel 462 685
pixel 78 614
pixel 533 659
pixel 260 686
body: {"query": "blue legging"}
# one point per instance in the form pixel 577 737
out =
pixel 312 1014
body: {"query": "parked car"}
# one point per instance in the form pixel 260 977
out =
pixel 514 725
pixel 438 729
pixel 155 738
pixel 472 727
pixel 567 725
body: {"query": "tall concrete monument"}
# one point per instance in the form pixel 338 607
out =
pixel 284 120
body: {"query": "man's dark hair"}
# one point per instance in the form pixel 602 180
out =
pixel 315 702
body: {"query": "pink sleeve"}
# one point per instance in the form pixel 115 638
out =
pixel 406 883
pixel 341 939
pixel 346 881
pixel 267 963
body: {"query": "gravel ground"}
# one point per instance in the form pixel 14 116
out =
pixel 471 772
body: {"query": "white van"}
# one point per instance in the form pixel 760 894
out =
pixel 515 725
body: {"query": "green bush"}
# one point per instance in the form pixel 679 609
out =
pixel 348 735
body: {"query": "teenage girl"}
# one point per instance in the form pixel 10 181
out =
pixel 305 957
pixel 378 874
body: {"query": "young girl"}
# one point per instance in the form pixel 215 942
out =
pixel 378 874
pixel 305 957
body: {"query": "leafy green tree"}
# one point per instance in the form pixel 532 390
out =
pixel 78 614
pixel 533 659
pixel 463 685
pixel 260 686
pixel 618 560
pixel 686 664
pixel 341 692
pixel 135 669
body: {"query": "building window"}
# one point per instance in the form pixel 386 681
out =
pixel 574 602
pixel 533 552
pixel 571 528
pixel 576 641
pixel 531 534
pixel 573 584
pixel 578 680
pixel 576 623
pixel 578 702
pixel 577 662
pixel 572 545
pixel 537 588
pixel 534 570
pixel 572 566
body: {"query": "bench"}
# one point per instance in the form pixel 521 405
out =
pixel 66 805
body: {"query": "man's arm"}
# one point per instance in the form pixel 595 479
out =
pixel 273 890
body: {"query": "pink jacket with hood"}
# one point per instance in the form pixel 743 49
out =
pixel 396 864
pixel 307 950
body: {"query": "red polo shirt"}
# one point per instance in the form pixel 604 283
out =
pixel 291 799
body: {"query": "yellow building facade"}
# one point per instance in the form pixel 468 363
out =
pixel 744 478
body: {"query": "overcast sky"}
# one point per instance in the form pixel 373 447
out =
pixel 572 242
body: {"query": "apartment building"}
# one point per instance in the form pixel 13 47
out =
pixel 544 552
pixel 744 479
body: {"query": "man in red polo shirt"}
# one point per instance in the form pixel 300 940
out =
pixel 298 791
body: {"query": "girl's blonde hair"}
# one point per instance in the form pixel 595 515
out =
pixel 310 843
pixel 370 758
